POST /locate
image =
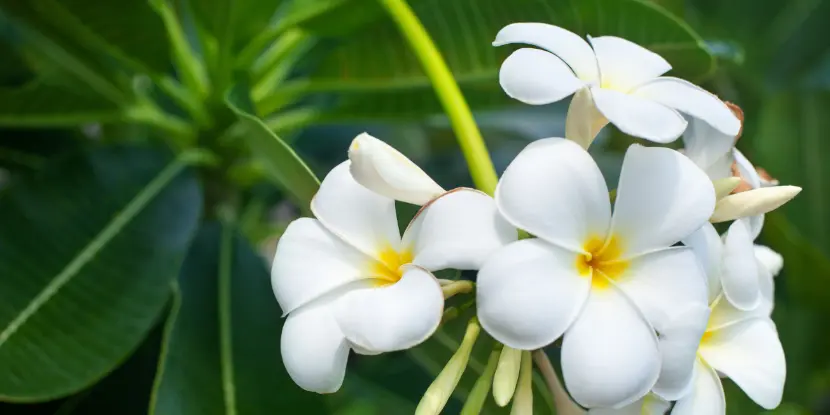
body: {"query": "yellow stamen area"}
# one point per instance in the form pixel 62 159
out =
pixel 604 258
pixel 707 336
pixel 387 269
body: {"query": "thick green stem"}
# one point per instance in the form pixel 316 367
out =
pixel 456 108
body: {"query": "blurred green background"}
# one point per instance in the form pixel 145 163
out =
pixel 133 283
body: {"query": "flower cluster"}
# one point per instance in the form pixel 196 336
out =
pixel 651 304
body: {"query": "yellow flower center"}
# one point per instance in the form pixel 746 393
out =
pixel 387 268
pixel 601 258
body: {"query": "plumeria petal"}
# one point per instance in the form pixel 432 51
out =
pixel 706 396
pixel 740 281
pixel 638 116
pixel 678 349
pixel 710 149
pixel 597 378
pixel 361 217
pixel 311 262
pixel 662 198
pixel 771 260
pixel 748 173
pixel 392 317
pixel 529 292
pixel 751 355
pixel 314 349
pixel 725 314
pixel 568 46
pixel 459 230
pixel 584 121
pixel 384 170
pixel 649 405
pixel 554 190
pixel 664 282
pixel 708 248
pixel 691 99
pixel 624 65
pixel 537 77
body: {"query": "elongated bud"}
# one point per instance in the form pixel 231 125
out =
pixel 444 384
pixel 752 202
pixel 583 121
pixel 385 171
pixel 725 186
pixel 507 375
pixel 561 400
pixel 477 397
pixel 523 401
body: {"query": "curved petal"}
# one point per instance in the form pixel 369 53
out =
pixel 649 405
pixel 724 314
pixel 529 292
pixel 392 317
pixel 382 169
pixel 706 396
pixel 748 173
pixel 459 230
pixel 314 350
pixel 624 65
pixel 708 248
pixel 710 149
pixel 594 376
pixel 751 355
pixel 311 261
pixel 664 282
pixel 678 350
pixel 691 99
pixel 662 198
pixel 769 259
pixel 537 77
pixel 639 117
pixel 568 46
pixel 584 121
pixel 554 190
pixel 361 217
pixel 741 285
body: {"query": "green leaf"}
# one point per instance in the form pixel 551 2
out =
pixel 128 30
pixel 222 353
pixel 376 73
pixel 282 165
pixel 88 249
pixel 39 104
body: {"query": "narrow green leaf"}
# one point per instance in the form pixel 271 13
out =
pixel 222 351
pixel 88 249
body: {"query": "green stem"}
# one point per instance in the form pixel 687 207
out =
pixel 147 113
pixel 188 65
pixel 456 108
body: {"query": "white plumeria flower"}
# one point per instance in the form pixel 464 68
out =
pixel 614 80
pixel 348 280
pixel 740 345
pixel 649 405
pixel 599 279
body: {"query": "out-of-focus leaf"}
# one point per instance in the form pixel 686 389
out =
pixel 222 344
pixel 129 30
pixel 376 62
pixel 31 149
pixel 87 252
pixel 39 104
pixel 334 17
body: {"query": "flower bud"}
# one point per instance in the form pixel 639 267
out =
pixel 439 391
pixel 507 375
pixel 725 186
pixel 523 401
pixel 752 202
pixel 477 396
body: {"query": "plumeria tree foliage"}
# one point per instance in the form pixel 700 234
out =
pixel 158 161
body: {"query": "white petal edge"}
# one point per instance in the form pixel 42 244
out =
pixel 678 343
pixel 750 354
pixel 392 317
pixel 639 117
pixel 649 405
pixel 708 248
pixel 710 149
pixel 662 198
pixel 584 121
pixel 740 278
pixel 311 261
pixel 537 77
pixel 458 230
pixel 771 260
pixel 314 350
pixel 529 292
pixel 706 396
pixel 545 174
pixel 568 46
pixel 384 170
pixel 361 217
pixel 624 65
pixel 597 378
pixel 691 99
pixel 663 283
pixel 748 172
